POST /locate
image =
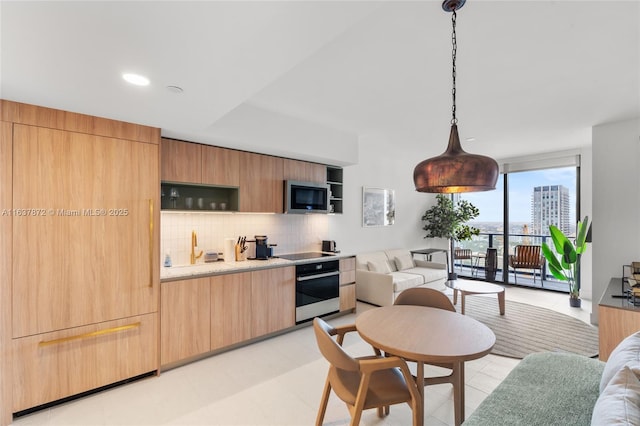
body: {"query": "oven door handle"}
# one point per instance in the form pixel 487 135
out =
pixel 315 276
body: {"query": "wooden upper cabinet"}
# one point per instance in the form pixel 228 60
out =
pixel 261 183
pixel 91 254
pixel 220 166
pixel 304 171
pixel 180 161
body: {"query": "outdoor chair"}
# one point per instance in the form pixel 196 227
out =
pixel 527 257
pixel 463 254
pixel 433 299
pixel 365 382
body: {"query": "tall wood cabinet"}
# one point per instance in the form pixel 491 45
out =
pixel 85 249
pixel 6 241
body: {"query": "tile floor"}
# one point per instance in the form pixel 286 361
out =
pixel 274 382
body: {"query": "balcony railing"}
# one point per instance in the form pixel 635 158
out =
pixel 475 267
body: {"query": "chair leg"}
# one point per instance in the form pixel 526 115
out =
pixel 323 403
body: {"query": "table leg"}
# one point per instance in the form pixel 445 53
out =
pixel 501 302
pixel 462 297
pixel 455 296
pixel 457 379
pixel 420 385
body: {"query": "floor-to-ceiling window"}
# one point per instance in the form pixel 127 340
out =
pixel 529 197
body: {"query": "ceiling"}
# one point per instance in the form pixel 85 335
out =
pixel 280 77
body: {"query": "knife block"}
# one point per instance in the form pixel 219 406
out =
pixel 240 255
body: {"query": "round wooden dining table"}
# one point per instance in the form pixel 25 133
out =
pixel 428 336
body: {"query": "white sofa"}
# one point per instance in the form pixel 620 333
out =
pixel 382 275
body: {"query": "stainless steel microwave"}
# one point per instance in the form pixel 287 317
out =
pixel 305 197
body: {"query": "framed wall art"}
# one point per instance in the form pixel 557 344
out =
pixel 378 207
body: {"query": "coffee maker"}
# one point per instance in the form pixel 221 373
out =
pixel 263 250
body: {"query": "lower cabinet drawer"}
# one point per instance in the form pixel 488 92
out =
pixel 51 366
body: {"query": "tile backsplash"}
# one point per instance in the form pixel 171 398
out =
pixel 291 233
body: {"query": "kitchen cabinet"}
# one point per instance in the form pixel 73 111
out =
pixel 51 366
pixel 304 171
pixel 220 166
pixel 82 246
pixel 187 162
pixel 261 183
pixel 94 241
pixel 348 284
pixel 181 161
pixel 273 300
pixel 6 368
pixel 230 309
pixel 335 181
pixel 185 318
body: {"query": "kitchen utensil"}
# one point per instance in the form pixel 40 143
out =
pixel 188 202
pixel 223 206
pixel 212 206
pixel 201 203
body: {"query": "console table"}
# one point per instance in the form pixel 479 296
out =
pixel 618 318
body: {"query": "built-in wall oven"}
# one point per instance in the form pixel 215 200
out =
pixel 317 289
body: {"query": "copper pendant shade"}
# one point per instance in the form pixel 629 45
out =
pixel 455 170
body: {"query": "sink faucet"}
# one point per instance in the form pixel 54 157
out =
pixel 194 243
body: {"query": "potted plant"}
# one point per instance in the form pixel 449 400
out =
pixel 446 220
pixel 565 266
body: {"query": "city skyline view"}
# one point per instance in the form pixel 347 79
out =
pixel 521 186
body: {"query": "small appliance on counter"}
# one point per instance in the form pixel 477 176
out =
pixel 264 251
pixel 329 246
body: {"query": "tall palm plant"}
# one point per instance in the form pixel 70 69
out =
pixel 565 266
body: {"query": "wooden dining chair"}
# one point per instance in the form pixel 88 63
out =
pixel 527 257
pixel 365 382
pixel 421 296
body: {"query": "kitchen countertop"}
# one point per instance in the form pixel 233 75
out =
pixel 219 268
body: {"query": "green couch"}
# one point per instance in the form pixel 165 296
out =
pixel 547 388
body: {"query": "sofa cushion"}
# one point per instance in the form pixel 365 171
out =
pixel 619 402
pixel 404 261
pixel 429 274
pixel 379 266
pixel 363 259
pixel 403 281
pixel 626 353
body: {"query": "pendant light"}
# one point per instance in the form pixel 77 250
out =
pixel 455 170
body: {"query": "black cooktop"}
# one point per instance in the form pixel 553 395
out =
pixel 301 256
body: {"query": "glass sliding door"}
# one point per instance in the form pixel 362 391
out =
pixel 490 222
pixel 529 197
pixel 538 199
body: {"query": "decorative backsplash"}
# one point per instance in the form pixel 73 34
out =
pixel 291 233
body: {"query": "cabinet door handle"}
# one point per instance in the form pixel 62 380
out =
pixel 151 242
pixel 87 335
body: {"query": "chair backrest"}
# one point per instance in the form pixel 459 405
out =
pixel 460 253
pixel 330 349
pixel 528 255
pixel 420 296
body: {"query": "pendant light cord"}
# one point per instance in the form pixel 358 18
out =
pixel 454 50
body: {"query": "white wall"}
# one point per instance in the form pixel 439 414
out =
pixel 381 166
pixel 616 201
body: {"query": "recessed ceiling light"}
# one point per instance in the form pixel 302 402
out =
pixel 138 80
pixel 470 139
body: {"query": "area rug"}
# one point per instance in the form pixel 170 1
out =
pixel 525 329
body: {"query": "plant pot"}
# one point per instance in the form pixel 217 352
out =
pixel 575 302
